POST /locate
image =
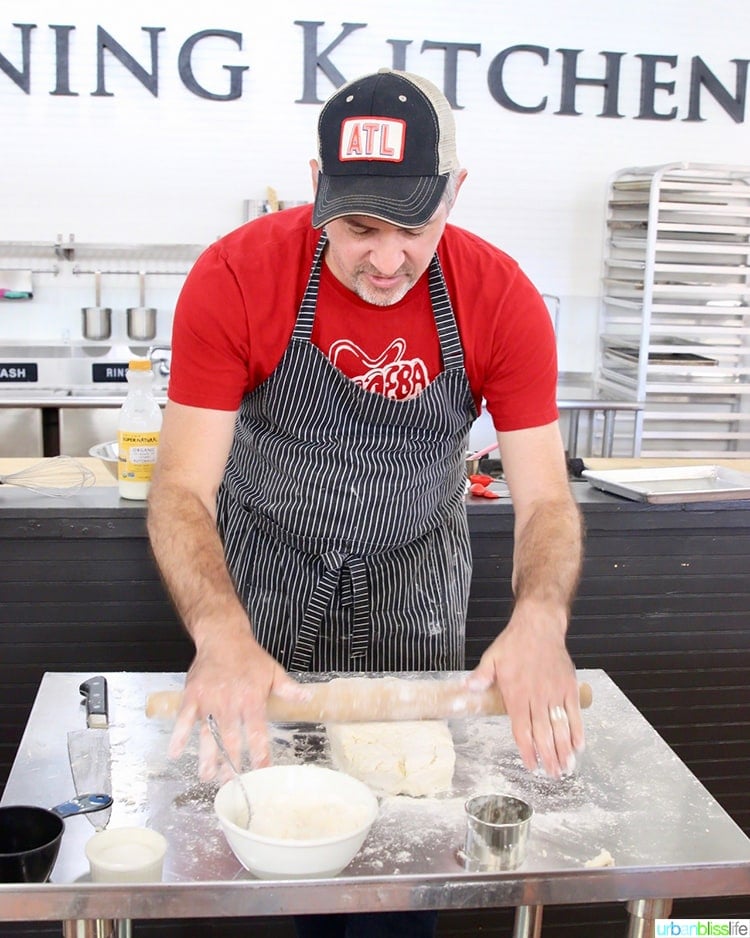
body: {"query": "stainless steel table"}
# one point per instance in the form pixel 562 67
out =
pixel 631 798
pixel 609 409
pixel 577 395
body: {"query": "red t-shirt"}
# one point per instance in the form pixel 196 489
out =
pixel 237 309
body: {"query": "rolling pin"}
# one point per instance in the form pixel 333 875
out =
pixel 363 700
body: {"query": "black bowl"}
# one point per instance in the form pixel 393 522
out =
pixel 29 843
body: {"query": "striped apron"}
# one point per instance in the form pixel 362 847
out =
pixel 342 511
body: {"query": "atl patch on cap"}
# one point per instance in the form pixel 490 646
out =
pixel 372 138
pixel 386 144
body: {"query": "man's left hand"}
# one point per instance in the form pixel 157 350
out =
pixel 537 679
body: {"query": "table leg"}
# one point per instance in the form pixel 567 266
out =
pixel 608 434
pixel 97 928
pixel 528 921
pixel 642 914
pixel 573 419
pixel 50 431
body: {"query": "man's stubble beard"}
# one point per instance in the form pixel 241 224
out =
pixel 379 297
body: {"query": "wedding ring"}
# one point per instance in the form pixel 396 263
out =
pixel 557 714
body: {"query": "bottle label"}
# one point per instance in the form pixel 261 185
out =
pixel 137 455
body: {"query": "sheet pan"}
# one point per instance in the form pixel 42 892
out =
pixel 674 484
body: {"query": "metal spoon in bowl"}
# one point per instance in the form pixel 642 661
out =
pixel 214 727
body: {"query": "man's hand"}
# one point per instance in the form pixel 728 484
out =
pixel 528 660
pixel 231 676
pixel 537 679
pixel 232 681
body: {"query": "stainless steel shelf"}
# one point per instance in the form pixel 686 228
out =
pixel 69 249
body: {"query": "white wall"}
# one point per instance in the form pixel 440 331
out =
pixel 177 168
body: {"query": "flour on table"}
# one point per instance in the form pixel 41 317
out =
pixel 409 757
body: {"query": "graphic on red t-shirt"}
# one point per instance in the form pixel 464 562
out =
pixel 389 374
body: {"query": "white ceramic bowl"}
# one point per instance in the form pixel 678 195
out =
pixel 108 453
pixel 308 821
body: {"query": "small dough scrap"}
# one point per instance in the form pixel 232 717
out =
pixel 409 757
pixel 603 858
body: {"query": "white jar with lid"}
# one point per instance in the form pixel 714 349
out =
pixel 138 432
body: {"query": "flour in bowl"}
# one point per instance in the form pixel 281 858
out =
pixel 276 817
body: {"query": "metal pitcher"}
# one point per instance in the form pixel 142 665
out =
pixel 97 319
pixel 141 318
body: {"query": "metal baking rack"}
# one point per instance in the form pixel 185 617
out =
pixel 675 314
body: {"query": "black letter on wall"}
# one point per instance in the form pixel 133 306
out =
pixel 185 67
pixel 700 74
pixel 313 60
pixel 450 69
pixel 150 81
pixel 21 78
pixel 399 53
pixel 649 84
pixel 570 80
pixel 497 85
pixel 62 60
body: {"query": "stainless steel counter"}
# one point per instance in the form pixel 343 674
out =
pixel 631 797
pixel 69 397
pixel 49 421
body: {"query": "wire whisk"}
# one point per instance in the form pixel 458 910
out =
pixel 58 477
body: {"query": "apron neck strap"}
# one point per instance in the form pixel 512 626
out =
pixel 306 315
pixel 445 319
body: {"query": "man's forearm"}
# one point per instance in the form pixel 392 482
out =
pixel 547 554
pixel 190 557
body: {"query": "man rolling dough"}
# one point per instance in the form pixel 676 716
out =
pixel 307 509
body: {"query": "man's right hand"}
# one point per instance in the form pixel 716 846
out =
pixel 231 679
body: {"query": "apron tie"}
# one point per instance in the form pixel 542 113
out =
pixel 332 581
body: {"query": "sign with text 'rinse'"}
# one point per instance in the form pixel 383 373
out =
pixel 109 372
